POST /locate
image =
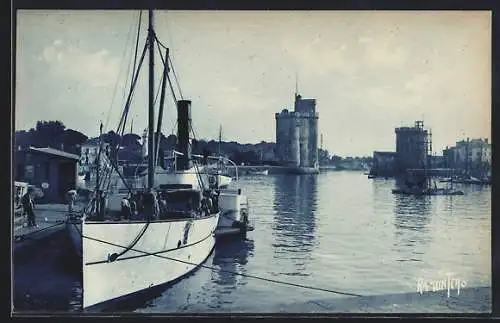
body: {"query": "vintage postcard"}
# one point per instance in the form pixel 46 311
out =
pixel 252 162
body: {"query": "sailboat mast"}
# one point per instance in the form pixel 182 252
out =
pixel 151 146
pixel 220 138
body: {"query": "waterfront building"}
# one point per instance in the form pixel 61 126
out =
pixel 297 135
pixel 88 154
pixel 52 170
pixel 470 157
pixel 383 163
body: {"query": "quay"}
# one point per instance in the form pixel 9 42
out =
pixel 50 219
pixel 470 300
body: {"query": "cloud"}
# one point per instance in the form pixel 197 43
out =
pixel 93 68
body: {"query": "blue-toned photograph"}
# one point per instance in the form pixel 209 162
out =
pixel 251 162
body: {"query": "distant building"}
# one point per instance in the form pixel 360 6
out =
pixel 471 156
pixel 436 161
pixel 52 170
pixel 411 147
pixel 297 135
pixel 88 154
pixel 383 163
pixel 449 157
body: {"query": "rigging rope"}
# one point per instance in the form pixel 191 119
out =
pixel 137 41
pixel 168 77
pixel 161 111
pixel 198 175
pixel 118 78
pixel 173 70
pixel 228 271
pixel 175 77
pixel 123 118
pixel 134 58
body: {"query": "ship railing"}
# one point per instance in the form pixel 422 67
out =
pixel 220 160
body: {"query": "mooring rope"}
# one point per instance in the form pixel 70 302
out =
pixel 228 271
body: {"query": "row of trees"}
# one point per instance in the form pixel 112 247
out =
pixel 55 134
pixel 50 134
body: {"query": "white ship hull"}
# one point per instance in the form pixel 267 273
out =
pixel 164 253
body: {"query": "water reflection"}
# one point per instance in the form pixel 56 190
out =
pixel 412 216
pixel 381 190
pixel 229 263
pixel 294 226
pixel 231 258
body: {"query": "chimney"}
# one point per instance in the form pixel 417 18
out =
pixel 183 131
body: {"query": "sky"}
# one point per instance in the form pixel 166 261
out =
pixel 370 71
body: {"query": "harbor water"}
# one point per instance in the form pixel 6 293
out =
pixel 336 231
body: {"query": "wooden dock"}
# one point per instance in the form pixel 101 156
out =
pixel 50 219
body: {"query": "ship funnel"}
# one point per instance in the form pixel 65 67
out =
pixel 183 161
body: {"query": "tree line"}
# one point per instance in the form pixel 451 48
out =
pixel 55 134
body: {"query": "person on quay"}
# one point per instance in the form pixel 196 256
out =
pixel 27 201
pixel 71 201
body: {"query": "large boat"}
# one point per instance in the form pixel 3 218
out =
pixel 157 233
pixel 218 173
pixel 233 205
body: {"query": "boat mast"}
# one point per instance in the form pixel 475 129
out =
pixel 429 156
pixel 220 138
pixel 151 153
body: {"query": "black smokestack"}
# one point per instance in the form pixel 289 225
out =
pixel 183 130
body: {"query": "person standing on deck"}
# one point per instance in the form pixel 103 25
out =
pixel 27 201
pixel 149 205
pixel 126 210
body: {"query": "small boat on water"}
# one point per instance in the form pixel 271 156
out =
pixel 445 180
pixel 264 172
pixel 427 191
pixel 471 180
pixel 417 182
pixel 136 239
